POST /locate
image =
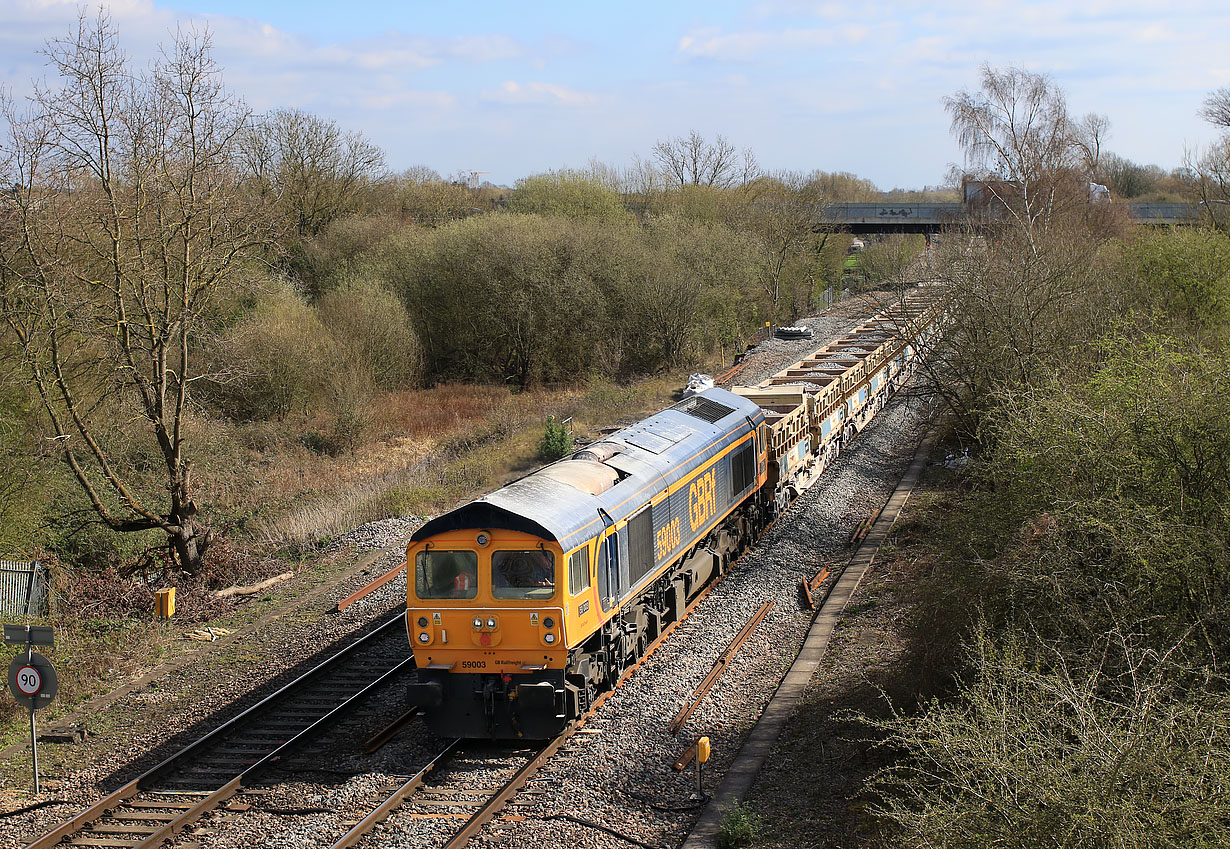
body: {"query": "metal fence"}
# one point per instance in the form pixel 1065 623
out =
pixel 23 588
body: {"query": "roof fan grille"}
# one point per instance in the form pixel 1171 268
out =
pixel 704 408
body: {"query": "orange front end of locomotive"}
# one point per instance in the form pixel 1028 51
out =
pixel 485 616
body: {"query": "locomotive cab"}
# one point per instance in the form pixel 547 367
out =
pixel 485 618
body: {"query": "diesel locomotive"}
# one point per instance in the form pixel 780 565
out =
pixel 524 605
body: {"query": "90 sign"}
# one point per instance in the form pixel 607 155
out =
pixel 32 680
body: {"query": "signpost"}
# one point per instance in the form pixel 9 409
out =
pixel 32 678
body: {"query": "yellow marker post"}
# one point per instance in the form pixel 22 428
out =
pixel 702 755
pixel 164 603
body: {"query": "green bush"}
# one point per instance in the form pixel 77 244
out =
pixel 1185 271
pixel 1036 750
pixel 526 299
pixel 372 331
pixel 274 361
pixel 569 194
pixel 740 826
pixel 556 441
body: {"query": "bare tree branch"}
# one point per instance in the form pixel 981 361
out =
pixel 126 219
pixel 1216 109
pixel 693 161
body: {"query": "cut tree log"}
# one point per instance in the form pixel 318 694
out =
pixel 255 588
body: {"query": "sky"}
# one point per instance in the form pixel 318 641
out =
pixel 517 88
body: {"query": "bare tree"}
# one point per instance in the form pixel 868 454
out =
pixel 782 216
pixel 1016 133
pixel 1212 169
pixel 316 171
pixel 606 174
pixel 420 174
pixel 1216 108
pixel 1088 135
pixel 693 161
pixel 1025 281
pixel 124 221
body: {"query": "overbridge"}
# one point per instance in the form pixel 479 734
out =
pixel 862 218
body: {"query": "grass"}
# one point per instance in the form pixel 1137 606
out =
pixel 740 826
pixel 429 450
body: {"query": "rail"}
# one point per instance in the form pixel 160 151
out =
pixel 719 666
pixel 371 587
pixel 263 711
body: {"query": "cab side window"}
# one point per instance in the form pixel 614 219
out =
pixel 578 570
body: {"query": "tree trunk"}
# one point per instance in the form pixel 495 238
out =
pixel 190 546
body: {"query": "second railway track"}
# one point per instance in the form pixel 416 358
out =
pixel 169 798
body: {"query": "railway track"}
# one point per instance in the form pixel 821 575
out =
pixel 169 798
pixel 465 784
pixel 462 784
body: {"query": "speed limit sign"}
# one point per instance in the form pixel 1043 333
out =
pixel 32 680
pixel 28 680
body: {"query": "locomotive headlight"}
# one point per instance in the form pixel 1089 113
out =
pixel 422 621
pixel 424 637
pixel 478 624
pixel 548 638
pixel 482 539
pixel 548 622
pixel 491 623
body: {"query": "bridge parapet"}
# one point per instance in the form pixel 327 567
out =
pixel 930 217
pixel 1165 213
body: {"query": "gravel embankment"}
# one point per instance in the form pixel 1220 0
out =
pixel 772 355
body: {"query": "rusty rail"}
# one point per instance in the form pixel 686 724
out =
pixel 719 666
pixel 377 740
pixel 806 588
pixel 360 594
pixel 730 373
pixel 689 755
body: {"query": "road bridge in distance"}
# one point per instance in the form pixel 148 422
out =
pixel 861 218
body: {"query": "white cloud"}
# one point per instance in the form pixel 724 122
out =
pixel 388 100
pixel 271 67
pixel 515 93
pixel 747 46
pixel 854 85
